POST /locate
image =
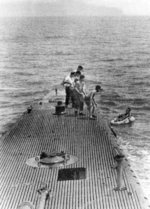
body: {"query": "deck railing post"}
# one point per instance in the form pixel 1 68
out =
pixel 56 91
pixel 119 159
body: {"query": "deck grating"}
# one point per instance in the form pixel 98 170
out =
pixel 91 141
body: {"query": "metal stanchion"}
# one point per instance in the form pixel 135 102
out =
pixel 56 91
pixel 119 167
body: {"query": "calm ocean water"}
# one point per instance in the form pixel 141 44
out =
pixel 36 54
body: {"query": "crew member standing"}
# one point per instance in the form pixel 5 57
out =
pixel 68 83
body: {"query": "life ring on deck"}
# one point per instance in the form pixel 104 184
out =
pixel 127 120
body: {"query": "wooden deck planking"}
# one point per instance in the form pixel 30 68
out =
pixel 90 141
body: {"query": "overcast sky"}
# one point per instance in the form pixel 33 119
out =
pixel 26 7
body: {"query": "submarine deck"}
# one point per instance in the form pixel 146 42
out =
pixel 91 141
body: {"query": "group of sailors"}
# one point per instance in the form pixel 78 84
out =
pixel 75 89
pixel 76 94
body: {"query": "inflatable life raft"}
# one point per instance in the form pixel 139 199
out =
pixel 127 120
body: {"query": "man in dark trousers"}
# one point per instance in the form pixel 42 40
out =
pixel 68 83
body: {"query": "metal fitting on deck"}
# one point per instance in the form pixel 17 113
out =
pixel 60 108
pixel 29 109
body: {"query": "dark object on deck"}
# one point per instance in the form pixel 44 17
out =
pixel 119 157
pixel 71 174
pixel 29 109
pixel 59 103
pixel 40 103
pixel 60 108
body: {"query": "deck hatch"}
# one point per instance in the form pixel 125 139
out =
pixel 71 174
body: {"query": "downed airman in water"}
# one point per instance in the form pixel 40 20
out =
pixel 127 114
